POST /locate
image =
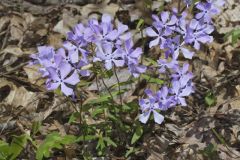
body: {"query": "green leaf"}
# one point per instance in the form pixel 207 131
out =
pixel 219 137
pixel 100 145
pixel 140 24
pixel 35 127
pixel 235 34
pixel 151 61
pixel 210 99
pixel 68 139
pixel 18 144
pixel 130 107
pixel 12 151
pixel 97 111
pixel 105 98
pixel 130 81
pixel 58 91
pixel 109 141
pixel 73 117
pixel 53 140
pixel 152 80
pixel 131 150
pixel 210 152
pixel 5 150
pixel 138 133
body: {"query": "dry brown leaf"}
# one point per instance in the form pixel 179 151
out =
pixel 55 40
pixel 4 21
pixel 17 27
pixel 33 74
pixel 19 96
pixel 61 28
pixel 15 50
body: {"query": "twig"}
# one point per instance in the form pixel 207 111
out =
pixel 5 38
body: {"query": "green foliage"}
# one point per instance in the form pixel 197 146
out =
pixel 235 35
pixel 104 142
pixel 210 99
pixel 150 61
pixel 137 134
pixel 140 24
pixel 35 127
pixel 210 152
pixel 74 117
pixel 5 151
pixel 131 150
pixel 53 140
pixel 11 151
pixel 152 80
pixel 104 98
pixel 219 137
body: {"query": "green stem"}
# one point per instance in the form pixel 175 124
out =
pixel 107 88
pixel 119 89
pixel 179 5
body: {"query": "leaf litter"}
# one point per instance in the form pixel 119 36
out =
pixel 195 131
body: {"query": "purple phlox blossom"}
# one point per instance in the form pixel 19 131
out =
pixel 166 22
pixel 136 70
pixel 161 29
pixel 165 101
pixel 46 57
pixel 217 3
pixel 61 79
pixel 101 32
pixel 199 33
pixel 72 54
pixel 122 34
pixel 207 11
pixel 179 72
pixel 131 57
pixel 156 33
pixel 44 53
pixel 79 67
pixel 105 52
pixel 54 62
pixel 180 90
pixel 188 2
pixel 178 46
pixel 164 64
pixel 182 26
pixel 77 35
pixel 130 54
pixel 148 106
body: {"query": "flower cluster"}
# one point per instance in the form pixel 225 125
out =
pixel 174 34
pixel 96 41
pixel 112 46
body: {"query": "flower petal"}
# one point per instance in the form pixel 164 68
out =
pixel 66 90
pixel 53 85
pixel 65 69
pixel 73 79
pixel 158 118
pixel 150 32
pixel 144 117
pixel 154 42
pixel 186 53
pixel 164 16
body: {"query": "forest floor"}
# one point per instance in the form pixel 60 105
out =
pixel 208 128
